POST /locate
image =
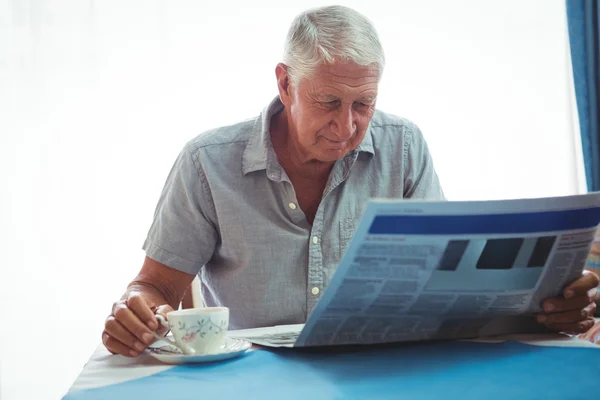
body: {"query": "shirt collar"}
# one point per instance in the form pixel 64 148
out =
pixel 367 143
pixel 259 147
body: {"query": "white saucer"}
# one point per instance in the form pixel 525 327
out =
pixel 169 354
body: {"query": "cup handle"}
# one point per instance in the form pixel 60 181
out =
pixel 184 349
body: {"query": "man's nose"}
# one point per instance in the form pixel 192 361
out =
pixel 344 126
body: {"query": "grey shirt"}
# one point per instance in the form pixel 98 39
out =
pixel 229 213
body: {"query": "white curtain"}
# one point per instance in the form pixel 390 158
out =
pixel 97 98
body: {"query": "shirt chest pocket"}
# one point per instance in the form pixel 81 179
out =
pixel 347 228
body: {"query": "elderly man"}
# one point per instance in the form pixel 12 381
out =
pixel 263 210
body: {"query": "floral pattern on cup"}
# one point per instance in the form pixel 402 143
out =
pixel 202 327
pixel 189 337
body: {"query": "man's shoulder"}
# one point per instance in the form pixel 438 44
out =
pixel 389 128
pixel 221 137
pixel 382 120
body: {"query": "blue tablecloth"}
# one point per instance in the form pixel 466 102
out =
pixel 428 370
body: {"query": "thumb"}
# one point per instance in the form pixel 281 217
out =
pixel 581 286
pixel 163 311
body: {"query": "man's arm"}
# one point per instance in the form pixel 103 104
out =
pixel 156 289
pixel 421 179
pixel 159 284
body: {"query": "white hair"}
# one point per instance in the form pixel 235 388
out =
pixel 323 35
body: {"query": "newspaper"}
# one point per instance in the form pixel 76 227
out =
pixel 417 270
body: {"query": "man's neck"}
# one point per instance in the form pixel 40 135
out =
pixel 291 157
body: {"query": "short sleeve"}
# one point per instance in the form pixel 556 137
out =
pixel 421 180
pixel 183 234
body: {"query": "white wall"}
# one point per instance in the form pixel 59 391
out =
pixel 98 97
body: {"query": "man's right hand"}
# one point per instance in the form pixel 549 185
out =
pixel 128 330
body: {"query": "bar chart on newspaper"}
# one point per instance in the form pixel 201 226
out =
pixel 421 270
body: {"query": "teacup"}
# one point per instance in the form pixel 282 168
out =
pixel 197 331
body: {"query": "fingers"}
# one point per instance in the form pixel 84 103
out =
pixel 581 286
pixel 118 339
pixel 129 330
pixel 117 331
pixel 580 301
pixel 116 347
pixel 574 312
pixel 140 308
pixel 577 327
pixel 132 323
pixel 568 317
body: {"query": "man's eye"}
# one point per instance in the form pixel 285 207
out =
pixel 331 103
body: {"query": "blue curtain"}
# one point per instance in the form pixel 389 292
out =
pixel 583 18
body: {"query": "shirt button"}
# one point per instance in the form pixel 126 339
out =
pixel 315 241
pixel 292 206
pixel 315 291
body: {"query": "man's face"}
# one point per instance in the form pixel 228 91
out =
pixel 330 111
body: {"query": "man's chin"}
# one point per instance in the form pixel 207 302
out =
pixel 331 155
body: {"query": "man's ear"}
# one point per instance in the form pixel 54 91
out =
pixel 283 84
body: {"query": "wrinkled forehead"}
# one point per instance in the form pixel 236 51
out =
pixel 343 79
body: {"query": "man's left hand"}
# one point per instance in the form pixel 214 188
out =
pixel 573 312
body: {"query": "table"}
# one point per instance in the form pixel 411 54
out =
pixel 511 367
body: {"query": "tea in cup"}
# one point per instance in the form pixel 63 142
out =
pixel 197 331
